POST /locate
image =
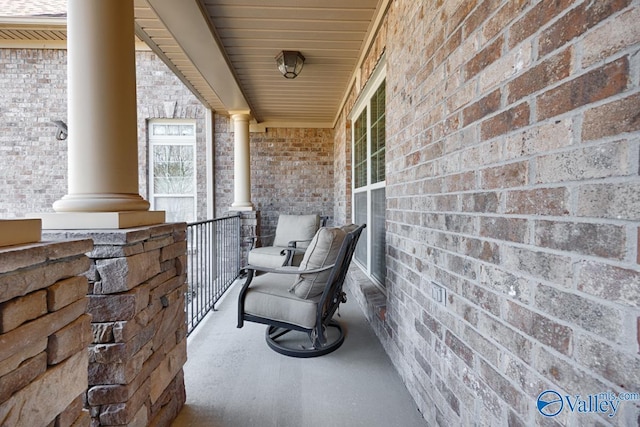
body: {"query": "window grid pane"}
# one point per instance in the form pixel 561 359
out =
pixel 173 169
pixel 360 151
pixel 187 130
pixel 378 141
pixel 369 197
pixel 378 237
pixel 360 217
pixel 177 209
pixel 159 129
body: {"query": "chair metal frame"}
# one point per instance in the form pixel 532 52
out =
pixel 326 307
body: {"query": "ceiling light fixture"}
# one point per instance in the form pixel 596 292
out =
pixel 290 63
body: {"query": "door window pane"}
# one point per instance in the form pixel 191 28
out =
pixel 178 209
pixel 172 170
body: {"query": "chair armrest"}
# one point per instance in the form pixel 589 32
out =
pixel 259 236
pixel 294 243
pixel 254 239
pixel 292 250
pixel 287 269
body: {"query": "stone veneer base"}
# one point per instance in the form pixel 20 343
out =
pixel 136 299
pixel 44 334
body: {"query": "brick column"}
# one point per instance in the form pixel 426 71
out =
pixel 137 284
pixel 249 226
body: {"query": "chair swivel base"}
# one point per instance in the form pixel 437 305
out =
pixel 293 348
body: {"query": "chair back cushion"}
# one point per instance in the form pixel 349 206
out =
pixel 322 251
pixel 296 227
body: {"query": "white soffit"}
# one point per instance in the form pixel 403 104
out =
pixel 331 34
pixel 224 51
pixel 27 32
pixel 42 25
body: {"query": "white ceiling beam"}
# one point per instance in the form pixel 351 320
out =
pixel 191 30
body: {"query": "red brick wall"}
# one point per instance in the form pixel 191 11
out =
pixel 161 95
pixel 512 182
pixel 292 172
pixel 34 92
pixel 342 174
pixel 223 171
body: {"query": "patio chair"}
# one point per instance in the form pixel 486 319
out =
pixel 293 235
pixel 302 301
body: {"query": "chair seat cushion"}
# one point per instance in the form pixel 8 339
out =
pixel 322 251
pixel 269 297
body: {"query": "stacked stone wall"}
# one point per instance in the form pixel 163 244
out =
pixel 137 285
pixel 44 334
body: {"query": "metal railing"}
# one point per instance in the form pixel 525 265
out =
pixel 213 264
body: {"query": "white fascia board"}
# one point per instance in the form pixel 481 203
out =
pixel 190 29
pixel 30 21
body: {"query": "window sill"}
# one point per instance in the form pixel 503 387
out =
pixel 370 297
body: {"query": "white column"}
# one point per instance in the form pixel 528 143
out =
pixel 241 163
pixel 102 142
pixel 211 162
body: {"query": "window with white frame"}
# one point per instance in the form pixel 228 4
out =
pixel 369 198
pixel 172 169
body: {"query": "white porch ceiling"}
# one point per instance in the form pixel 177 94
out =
pixel 247 35
pixel 224 50
pixel 329 33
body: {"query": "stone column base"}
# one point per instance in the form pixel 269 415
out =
pixel 249 226
pixel 99 220
pixel 137 286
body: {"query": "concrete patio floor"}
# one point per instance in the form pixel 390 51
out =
pixel 234 380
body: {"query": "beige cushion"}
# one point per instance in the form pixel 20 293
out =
pixel 322 251
pixel 269 297
pixel 267 256
pixel 296 227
